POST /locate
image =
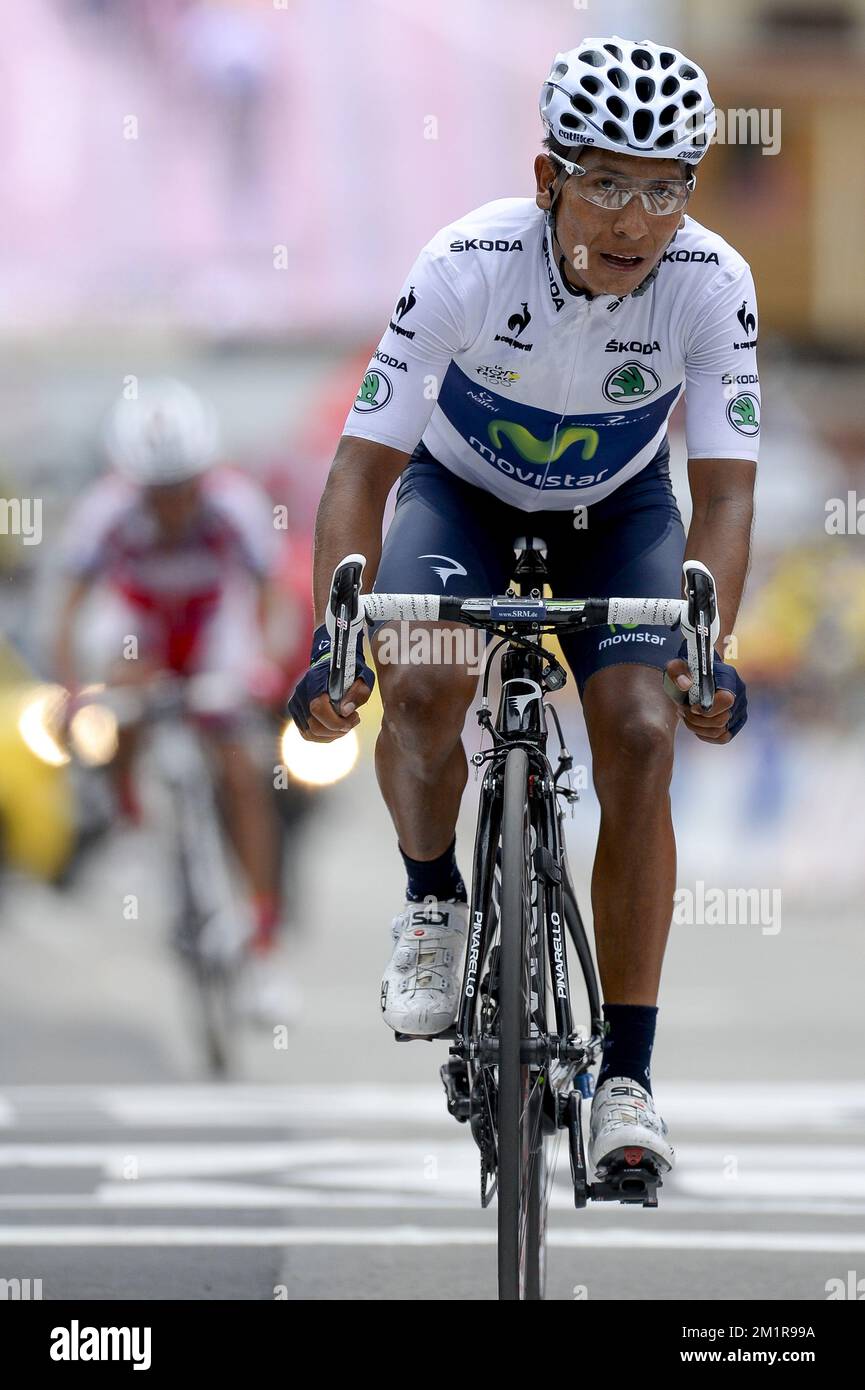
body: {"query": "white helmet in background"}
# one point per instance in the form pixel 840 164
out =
pixel 166 435
pixel 640 98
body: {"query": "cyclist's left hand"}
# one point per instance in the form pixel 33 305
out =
pixel 729 709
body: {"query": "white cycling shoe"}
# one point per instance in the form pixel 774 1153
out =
pixel 421 985
pixel 265 994
pixel 626 1128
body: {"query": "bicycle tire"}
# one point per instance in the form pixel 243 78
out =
pixel 521 1178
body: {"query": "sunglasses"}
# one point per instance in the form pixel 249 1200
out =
pixel 611 191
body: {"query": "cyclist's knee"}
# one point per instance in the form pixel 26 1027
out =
pixel 635 750
pixel 424 708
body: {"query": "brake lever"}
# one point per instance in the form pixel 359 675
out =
pixel 701 625
pixel 343 620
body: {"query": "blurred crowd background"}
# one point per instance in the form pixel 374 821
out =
pixel 230 192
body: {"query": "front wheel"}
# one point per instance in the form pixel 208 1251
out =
pixel 521 1171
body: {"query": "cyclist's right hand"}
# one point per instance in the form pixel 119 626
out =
pixel 310 705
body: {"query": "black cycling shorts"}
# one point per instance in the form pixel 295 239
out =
pixel 449 536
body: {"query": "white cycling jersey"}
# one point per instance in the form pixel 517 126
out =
pixel 548 398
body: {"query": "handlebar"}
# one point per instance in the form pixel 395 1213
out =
pixel 697 614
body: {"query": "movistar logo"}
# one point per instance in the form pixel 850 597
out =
pixel 631 382
pixel 535 450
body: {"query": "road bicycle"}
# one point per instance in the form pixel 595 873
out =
pixel 208 932
pixel 518 1066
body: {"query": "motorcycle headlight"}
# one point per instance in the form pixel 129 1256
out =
pixel 40 723
pixel 93 734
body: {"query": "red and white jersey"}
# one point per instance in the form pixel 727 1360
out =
pixel 113 535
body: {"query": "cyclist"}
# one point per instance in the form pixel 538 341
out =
pixel 523 385
pixel 180 556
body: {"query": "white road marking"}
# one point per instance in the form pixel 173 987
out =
pixel 769 1242
pixel 403 1154
pixel 731 1107
pixel 203 1196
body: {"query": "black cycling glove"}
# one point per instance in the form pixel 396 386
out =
pixel 314 681
pixel 726 678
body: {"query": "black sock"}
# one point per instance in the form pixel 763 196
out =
pixel 628 1043
pixel 434 878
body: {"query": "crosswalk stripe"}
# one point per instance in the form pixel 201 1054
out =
pixel 726 1107
pixel 767 1242
pixel 192 1196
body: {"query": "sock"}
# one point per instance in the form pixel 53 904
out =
pixel 628 1043
pixel 434 878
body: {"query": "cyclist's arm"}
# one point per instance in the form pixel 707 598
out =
pixel 64 636
pixel 351 511
pixel 722 491
pixel 722 426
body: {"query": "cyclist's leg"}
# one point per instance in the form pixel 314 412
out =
pixel 445 536
pixel 227 647
pixel 633 547
pixel 124 646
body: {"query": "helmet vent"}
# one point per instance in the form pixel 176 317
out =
pixel 593 58
pixel 619 79
pixel 668 115
pixel 669 86
pixel 571 122
pixel 614 132
pixel 591 84
pixel 559 70
pixel 667 59
pixel 616 52
pixel 585 104
pixel 641 59
pixel 617 107
pixel 691 99
pixel 644 123
pixel 664 141
pixel 645 88
pixel 688 72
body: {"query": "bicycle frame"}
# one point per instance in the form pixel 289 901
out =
pixel 527 728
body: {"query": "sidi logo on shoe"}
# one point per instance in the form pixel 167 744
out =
pixel 429 917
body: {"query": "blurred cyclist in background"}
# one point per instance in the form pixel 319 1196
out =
pixel 181 556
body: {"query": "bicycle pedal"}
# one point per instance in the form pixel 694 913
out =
pixel 426 1037
pixel 628 1178
pixel 455 1079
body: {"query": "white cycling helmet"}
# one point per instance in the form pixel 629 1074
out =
pixel 165 435
pixel 641 98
